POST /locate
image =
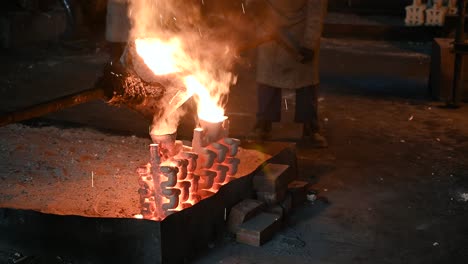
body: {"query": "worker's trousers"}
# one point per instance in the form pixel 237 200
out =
pixel 269 105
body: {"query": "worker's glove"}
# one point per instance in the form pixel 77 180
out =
pixel 307 55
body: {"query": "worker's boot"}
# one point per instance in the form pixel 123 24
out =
pixel 261 131
pixel 311 137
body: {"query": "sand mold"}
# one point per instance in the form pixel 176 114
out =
pixel 51 169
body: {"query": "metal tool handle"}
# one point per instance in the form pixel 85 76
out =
pixel 51 106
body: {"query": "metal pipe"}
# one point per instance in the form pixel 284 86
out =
pixel 155 158
pixel 156 177
pixel 454 100
pixel 52 106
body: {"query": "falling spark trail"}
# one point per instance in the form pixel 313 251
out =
pixel 286 104
pixel 202 2
pixel 243 9
pixel 172 99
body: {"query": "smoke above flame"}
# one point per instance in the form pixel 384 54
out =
pixel 171 40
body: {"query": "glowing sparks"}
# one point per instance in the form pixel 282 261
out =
pixel 172 99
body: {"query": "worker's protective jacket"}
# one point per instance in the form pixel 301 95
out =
pixel 302 20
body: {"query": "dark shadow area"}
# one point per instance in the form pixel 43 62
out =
pixel 313 171
pixel 376 86
pixel 421 47
pixel 307 211
pixel 387 7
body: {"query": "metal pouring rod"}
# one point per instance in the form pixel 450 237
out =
pixel 52 106
pixel 178 100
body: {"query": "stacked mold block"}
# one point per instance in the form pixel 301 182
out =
pixel 415 14
pixel 179 176
pixel 435 16
pixel 217 155
pixel 168 183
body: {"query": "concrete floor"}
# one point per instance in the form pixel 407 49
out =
pixel 395 172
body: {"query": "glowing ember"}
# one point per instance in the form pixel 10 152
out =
pixel 138 216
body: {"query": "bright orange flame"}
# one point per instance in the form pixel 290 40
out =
pixel 169 163
pixel 169 57
pixel 208 108
pixel 138 216
pixel 159 56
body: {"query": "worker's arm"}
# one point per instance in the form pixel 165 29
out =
pixel 316 11
pixel 262 15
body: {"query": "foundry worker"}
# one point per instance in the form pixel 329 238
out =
pixel 289 59
pixel 117 27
